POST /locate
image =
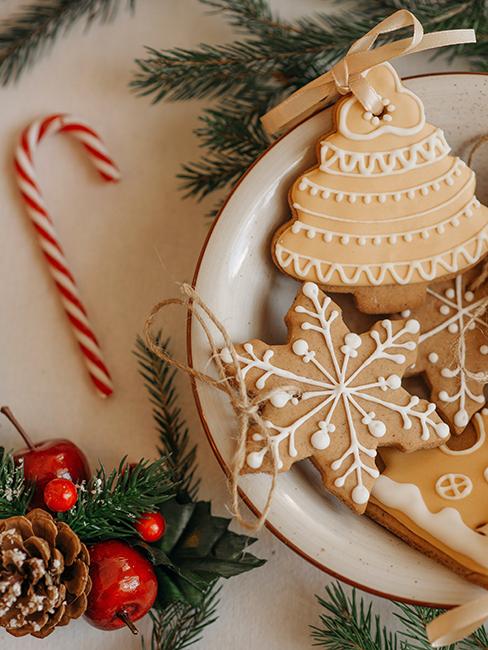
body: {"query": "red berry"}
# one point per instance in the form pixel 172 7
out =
pixel 151 526
pixel 124 585
pixel 60 494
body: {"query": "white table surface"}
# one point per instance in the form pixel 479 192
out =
pixel 129 245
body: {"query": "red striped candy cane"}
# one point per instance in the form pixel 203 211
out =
pixel 47 235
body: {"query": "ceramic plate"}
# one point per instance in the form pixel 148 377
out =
pixel 238 280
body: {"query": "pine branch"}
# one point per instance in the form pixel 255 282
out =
pixel 347 625
pixel 180 625
pixel 159 379
pixel 15 493
pixel 109 504
pixel 271 58
pixel 33 30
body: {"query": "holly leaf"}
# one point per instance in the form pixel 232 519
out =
pixel 196 550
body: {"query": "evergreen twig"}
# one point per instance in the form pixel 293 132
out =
pixel 32 31
pixel 349 624
pixel 180 625
pixel 15 492
pixel 109 504
pixel 159 379
pixel 273 57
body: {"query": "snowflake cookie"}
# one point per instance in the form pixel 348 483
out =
pixel 452 365
pixel 335 396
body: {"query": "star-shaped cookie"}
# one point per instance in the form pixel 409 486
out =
pixel 455 368
pixel 334 396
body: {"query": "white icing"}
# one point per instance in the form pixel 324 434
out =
pixel 433 357
pixel 306 184
pixel 454 486
pixel 458 312
pixel 338 384
pixel 397 161
pixel 375 274
pixel 485 474
pixel 472 203
pixel 376 121
pixel 391 238
pixel 480 428
pixel 447 525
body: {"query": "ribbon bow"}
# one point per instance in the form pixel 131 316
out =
pixel 348 74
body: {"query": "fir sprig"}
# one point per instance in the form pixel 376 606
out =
pixel 29 33
pixel 159 380
pixel 180 624
pixel 15 492
pixel 273 57
pixel 109 504
pixel 348 623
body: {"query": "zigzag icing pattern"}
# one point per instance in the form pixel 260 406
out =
pixel 376 274
pixel 351 163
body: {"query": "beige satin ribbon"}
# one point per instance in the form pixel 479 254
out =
pixel 457 623
pixel 347 75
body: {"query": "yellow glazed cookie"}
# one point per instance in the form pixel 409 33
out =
pixel 437 500
pixel 334 396
pixel 386 206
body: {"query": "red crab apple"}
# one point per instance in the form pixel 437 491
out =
pixel 124 586
pixel 49 459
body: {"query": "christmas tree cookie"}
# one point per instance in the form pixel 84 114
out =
pixel 334 396
pixel 386 207
pixel 453 350
pixel 437 500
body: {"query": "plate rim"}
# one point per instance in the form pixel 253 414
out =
pixel 242 494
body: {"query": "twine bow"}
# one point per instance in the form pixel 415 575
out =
pixel 348 74
pixel 245 408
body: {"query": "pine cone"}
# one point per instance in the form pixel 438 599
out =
pixel 44 579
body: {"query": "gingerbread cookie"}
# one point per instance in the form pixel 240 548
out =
pixel 453 350
pixel 386 207
pixel 335 396
pixel 437 500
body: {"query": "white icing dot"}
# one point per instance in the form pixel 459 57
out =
pixel 424 190
pixel 387 118
pixel 377 428
pixel 360 495
pixel 412 326
pixel 391 107
pixel 367 115
pixel 345 239
pixel 453 328
pixel 469 212
pixel 328 236
pixel 375 120
pixel 362 241
pixel 436 186
pixel 397 196
pixel 441 229
pixel 442 430
pixel 444 396
pixel 367 198
pixel 444 310
pixel 255 459
pixel 449 181
pixel 352 340
pixel 280 398
pixel 425 234
pixel 339 196
pixel 385 101
pixel 455 221
pixel 296 227
pixel 411 194
pixel 377 241
pixel 469 296
pixel 450 293
pixel 484 349
pixel 433 357
pixel 392 239
pixel 394 382
pixel 406 313
pixel 310 290
pixel 407 236
pixel 471 326
pixel 302 186
pixel 225 355
pixel 300 347
pixel 320 439
pixel 325 194
pixel 461 418
pixel 382 198
pixel 311 233
pixel 352 198
pixel 457 171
